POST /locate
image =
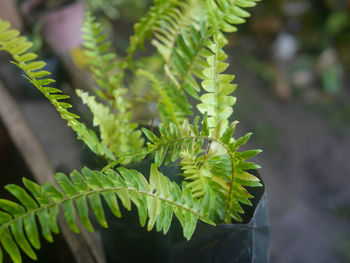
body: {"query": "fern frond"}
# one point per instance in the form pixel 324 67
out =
pixel 158 200
pixel 171 141
pixel 158 14
pixel 160 10
pixel 173 104
pixel 207 162
pixel 18 48
pixel 101 61
pixel 194 172
pixel 165 34
pixel 217 101
pixel 225 14
pixel 118 133
pixel 189 59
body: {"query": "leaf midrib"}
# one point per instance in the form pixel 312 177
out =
pixel 73 197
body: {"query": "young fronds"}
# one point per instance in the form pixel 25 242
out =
pixel 101 61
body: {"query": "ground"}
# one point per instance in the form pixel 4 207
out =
pixel 305 166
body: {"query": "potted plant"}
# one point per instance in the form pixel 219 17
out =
pixel 218 185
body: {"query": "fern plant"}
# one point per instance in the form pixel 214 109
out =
pixel 189 36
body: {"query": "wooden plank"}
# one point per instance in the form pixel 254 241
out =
pixel 83 245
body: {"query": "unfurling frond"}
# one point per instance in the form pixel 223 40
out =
pixel 158 200
pixel 34 71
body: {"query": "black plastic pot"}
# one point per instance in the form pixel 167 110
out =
pixel 126 241
pixel 227 243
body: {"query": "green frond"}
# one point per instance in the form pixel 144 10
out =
pixel 158 14
pixel 165 35
pixel 171 141
pixel 158 200
pixel 225 14
pixel 34 71
pixel 189 55
pixel 159 11
pixel 101 61
pixel 209 163
pixel 118 133
pixel 189 58
pixel 217 101
pixel 195 172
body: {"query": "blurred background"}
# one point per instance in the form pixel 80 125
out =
pixel 292 63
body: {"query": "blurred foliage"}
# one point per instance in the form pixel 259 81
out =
pixel 316 34
pixel 344 248
pixel 113 9
pixel 35 37
pixel 343 240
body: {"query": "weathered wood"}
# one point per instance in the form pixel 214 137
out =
pixel 83 246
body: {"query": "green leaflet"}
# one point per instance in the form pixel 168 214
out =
pixel 157 199
pixel 18 48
